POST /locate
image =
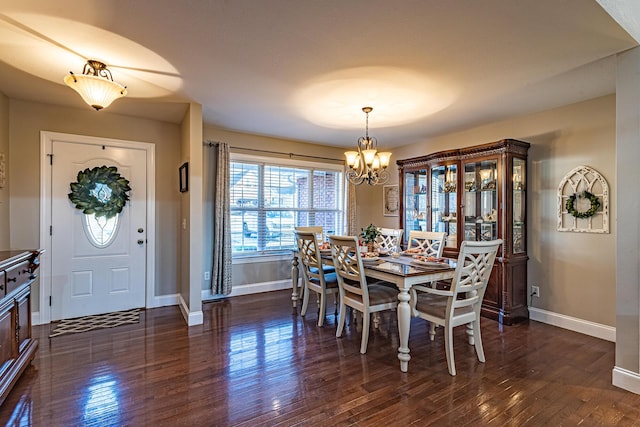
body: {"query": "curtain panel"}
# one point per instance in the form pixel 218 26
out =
pixel 219 218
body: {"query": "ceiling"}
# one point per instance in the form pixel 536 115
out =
pixel 303 69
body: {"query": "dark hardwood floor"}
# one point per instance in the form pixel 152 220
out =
pixel 254 362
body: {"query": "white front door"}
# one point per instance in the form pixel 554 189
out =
pixel 91 272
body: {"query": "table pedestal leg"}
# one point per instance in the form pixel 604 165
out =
pixel 404 324
pixel 294 281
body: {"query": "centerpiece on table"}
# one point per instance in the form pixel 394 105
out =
pixel 369 235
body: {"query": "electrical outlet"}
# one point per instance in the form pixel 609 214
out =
pixel 206 275
pixel 535 291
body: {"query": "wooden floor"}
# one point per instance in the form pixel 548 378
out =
pixel 255 363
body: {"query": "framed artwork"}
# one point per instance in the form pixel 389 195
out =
pixel 184 177
pixel 390 200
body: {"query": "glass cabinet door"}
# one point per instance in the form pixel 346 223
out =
pixel 480 200
pixel 444 192
pixel 415 202
pixel 519 208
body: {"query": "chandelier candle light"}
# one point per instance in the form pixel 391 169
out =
pixel 367 164
pixel 95 85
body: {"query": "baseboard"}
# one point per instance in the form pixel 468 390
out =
pixel 573 324
pixel 252 288
pixel 192 318
pixel 159 301
pixel 164 300
pixel 197 318
pixel 626 380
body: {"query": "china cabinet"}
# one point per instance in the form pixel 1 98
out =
pixel 475 193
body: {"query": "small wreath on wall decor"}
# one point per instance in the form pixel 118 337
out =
pixel 101 191
pixel 593 199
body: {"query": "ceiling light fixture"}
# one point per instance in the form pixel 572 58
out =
pixel 367 164
pixel 96 85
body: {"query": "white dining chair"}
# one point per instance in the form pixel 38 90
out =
pixel 317 230
pixel 461 304
pixel 429 243
pixel 356 290
pixel 389 239
pixel 315 278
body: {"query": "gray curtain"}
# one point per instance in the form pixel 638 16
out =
pixel 218 193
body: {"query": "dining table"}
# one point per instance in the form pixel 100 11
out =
pixel 404 271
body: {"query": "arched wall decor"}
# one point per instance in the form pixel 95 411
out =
pixel 583 202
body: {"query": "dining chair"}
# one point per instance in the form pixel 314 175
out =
pixel 461 304
pixel 429 243
pixel 389 239
pixel 317 230
pixel 356 290
pixel 315 278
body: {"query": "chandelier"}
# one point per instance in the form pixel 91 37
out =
pixel 367 164
pixel 96 85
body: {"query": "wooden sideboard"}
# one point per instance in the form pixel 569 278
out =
pixel 17 346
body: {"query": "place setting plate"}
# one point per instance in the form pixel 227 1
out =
pixel 430 263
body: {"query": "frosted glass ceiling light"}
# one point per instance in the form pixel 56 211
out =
pixel 95 85
pixel 367 164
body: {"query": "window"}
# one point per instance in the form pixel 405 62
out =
pixel 270 197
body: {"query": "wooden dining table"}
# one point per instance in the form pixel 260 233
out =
pixel 404 272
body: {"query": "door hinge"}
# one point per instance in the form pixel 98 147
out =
pixel 50 159
pixel 49 300
pixel 51 230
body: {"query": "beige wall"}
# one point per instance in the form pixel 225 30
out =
pixel 27 119
pixel 628 245
pixel 261 272
pixel 4 192
pixel 193 140
pixel 575 271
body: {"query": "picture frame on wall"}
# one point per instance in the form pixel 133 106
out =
pixel 184 177
pixel 390 200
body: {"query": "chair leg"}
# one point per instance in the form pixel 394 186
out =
pixel 432 331
pixel 323 302
pixel 448 345
pixel 376 320
pixel 365 332
pixel 343 312
pixel 305 302
pixel 478 340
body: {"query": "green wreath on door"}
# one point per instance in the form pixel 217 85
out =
pixel 101 191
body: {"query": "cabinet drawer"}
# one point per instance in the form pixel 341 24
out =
pixel 3 284
pixel 17 276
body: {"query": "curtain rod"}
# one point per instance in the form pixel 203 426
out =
pixel 215 143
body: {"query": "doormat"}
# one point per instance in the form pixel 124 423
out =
pixel 96 321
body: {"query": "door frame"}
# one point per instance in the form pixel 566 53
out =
pixel 46 145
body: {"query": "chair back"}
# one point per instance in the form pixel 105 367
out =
pixel 315 229
pixel 349 269
pixel 430 243
pixel 389 239
pixel 309 254
pixel 475 263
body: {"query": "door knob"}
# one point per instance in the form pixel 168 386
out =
pixel 140 241
pixel 140 230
